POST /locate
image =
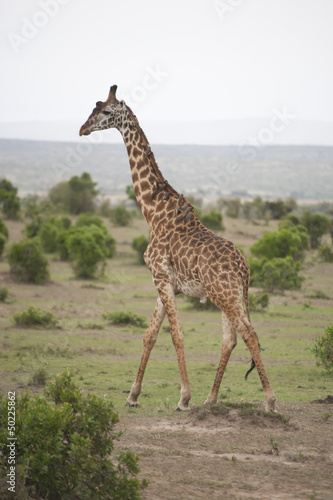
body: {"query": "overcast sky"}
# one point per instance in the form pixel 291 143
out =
pixel 172 60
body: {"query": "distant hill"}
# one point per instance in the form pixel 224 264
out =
pixel 304 172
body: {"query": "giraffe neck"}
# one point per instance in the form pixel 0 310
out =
pixel 150 187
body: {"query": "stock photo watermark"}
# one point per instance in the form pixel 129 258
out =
pixel 151 80
pixel 49 9
pixel 278 122
pixel 11 460
pixel 224 8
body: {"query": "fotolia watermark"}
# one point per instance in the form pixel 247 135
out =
pixel 31 27
pixel 152 79
pixel 224 8
pixel 278 122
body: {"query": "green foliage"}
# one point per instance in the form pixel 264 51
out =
pixel 233 207
pixel 325 253
pixel 121 216
pixel 131 193
pixel 196 304
pixel 125 318
pixel 323 349
pixel 87 220
pixel 34 317
pixel 276 275
pixel 3 241
pixel 48 234
pixel 27 261
pixel 282 243
pixel 140 245
pixel 3 228
pixel 64 447
pixel 76 195
pixel 88 251
pixel 258 302
pixel 9 201
pixel 4 292
pixel 213 220
pixel 317 225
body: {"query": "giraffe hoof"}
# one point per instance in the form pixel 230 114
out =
pixel 132 404
pixel 184 408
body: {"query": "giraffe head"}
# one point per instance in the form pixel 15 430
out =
pixel 105 115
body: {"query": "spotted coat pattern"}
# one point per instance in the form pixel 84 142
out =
pixel 183 256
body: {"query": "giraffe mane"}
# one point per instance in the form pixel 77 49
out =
pixel 151 154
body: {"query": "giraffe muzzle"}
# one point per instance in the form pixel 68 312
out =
pixel 83 131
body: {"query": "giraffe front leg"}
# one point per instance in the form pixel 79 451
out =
pixel 167 295
pixel 149 340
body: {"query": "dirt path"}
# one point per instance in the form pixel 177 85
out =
pixel 235 453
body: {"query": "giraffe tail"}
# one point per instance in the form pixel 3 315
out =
pixel 246 301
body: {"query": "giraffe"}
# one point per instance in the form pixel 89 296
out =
pixel 183 256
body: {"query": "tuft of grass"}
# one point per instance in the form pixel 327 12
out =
pixel 34 317
pixel 318 294
pixel 39 378
pixel 125 318
pixel 245 410
pixel 3 294
pixel 274 446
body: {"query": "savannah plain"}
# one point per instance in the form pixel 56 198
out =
pixel 234 450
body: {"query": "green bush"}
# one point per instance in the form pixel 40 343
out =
pixel 258 302
pixel 48 234
pixel 4 292
pixel 140 245
pixel 64 448
pixel 276 275
pixel 125 318
pixel 110 244
pixel 121 216
pixel 317 225
pixel 3 241
pixel 282 243
pixel 323 349
pixel 76 195
pixel 196 304
pixel 213 220
pixel 87 249
pixel 9 201
pixel 3 228
pixel 325 253
pixel 27 261
pixel 87 220
pixel 35 317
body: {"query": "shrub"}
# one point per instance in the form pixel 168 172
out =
pixel 27 261
pixel 87 220
pixel 140 245
pixel 4 292
pixel 3 228
pixel 110 244
pixel 65 444
pixel 325 253
pixel 9 201
pixel 121 216
pixel 87 248
pixel 258 302
pixel 323 349
pixel 276 275
pixel 3 241
pixel 76 195
pixel 317 225
pixel 48 234
pixel 282 243
pixel 196 303
pixel 213 220
pixel 125 318
pixel 35 317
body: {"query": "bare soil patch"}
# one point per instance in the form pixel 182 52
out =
pixel 235 456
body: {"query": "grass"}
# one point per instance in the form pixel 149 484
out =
pixel 105 356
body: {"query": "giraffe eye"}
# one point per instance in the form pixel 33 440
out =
pixel 106 112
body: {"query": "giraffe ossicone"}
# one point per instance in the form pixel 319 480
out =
pixel 183 256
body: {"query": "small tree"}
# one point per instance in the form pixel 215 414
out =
pixel 317 225
pixel 9 201
pixel 323 349
pixel 4 233
pixel 325 253
pixel 140 245
pixel 27 261
pixel 121 216
pixel 213 220
pixel 87 249
pixel 282 243
pixel 76 195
